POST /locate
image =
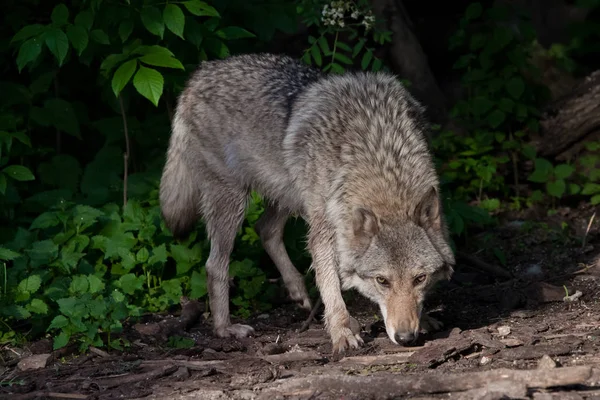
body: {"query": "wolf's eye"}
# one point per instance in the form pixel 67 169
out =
pixel 381 280
pixel 420 279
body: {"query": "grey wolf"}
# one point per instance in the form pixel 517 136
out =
pixel 348 153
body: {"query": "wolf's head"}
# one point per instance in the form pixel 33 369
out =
pixel 395 262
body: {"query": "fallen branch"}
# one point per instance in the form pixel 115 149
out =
pixel 386 386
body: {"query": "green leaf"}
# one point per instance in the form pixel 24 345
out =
pixel 129 283
pixel 8 255
pixel 216 46
pixel 153 21
pixel 79 285
pixel 574 188
pixel 3 183
pixel 142 255
pixel 515 87
pixel 590 188
pixel 563 171
pixel 78 37
pixel 125 29
pixel 85 19
pixel 556 188
pixel 60 14
pixel 60 321
pixel 42 253
pixel 155 49
pixel 316 55
pixel 149 83
pixel 161 60
pixel 16 311
pixel 595 200
pixel 159 255
pixel 61 340
pixel 122 76
pixel 357 48
pixel 496 118
pixel 200 8
pixel 473 11
pixel 366 59
pixel 63 116
pixel 543 170
pixel 174 19
pixel 233 33
pixel 28 52
pixel 28 31
pixel 198 284
pixel 342 58
pixel 482 105
pixel 18 173
pixel 58 44
pixel 99 36
pixel 45 220
pixel 38 306
pixel 30 284
pixel 95 284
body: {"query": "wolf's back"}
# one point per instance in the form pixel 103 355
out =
pixel 229 122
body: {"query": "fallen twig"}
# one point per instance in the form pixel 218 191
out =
pixel 313 313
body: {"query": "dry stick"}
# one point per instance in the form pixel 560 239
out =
pixel 588 230
pixel 126 154
pixel 485 267
pixel 312 315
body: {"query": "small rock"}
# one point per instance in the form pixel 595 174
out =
pixel 263 316
pixel 533 271
pixel 512 342
pixel 504 330
pixel 485 360
pixel 35 361
pixel 546 362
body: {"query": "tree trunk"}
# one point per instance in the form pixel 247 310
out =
pixel 408 60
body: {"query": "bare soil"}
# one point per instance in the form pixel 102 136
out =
pixel 502 338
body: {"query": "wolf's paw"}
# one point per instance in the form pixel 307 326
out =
pixel 343 338
pixel 237 330
pixel 298 293
pixel 430 324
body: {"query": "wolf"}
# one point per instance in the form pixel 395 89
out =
pixel 346 152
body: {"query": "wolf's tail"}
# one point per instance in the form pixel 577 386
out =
pixel 179 192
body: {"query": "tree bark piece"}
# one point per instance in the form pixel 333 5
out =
pixel 571 121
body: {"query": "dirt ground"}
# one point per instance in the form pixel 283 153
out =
pixel 515 338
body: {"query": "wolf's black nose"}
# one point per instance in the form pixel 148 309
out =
pixel 405 338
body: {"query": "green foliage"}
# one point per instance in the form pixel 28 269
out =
pixel 347 33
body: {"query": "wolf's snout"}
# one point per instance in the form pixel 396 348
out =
pixel 405 338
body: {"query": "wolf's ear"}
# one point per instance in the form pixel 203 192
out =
pixel 428 213
pixel 364 225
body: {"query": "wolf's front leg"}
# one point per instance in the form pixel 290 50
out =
pixel 337 318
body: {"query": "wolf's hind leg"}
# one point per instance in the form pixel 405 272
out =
pixel 223 209
pixel 270 228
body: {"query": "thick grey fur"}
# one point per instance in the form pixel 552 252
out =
pixel 348 153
